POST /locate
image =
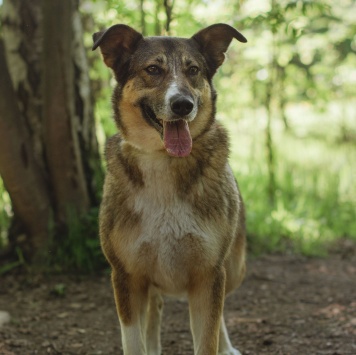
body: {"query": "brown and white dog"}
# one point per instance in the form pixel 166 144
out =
pixel 172 217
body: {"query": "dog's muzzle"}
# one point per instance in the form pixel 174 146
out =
pixel 174 130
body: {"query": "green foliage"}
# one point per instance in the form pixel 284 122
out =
pixel 315 200
pixel 301 220
pixel 79 249
pixel 59 290
pixel 20 261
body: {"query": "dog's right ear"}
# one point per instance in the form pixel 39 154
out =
pixel 116 43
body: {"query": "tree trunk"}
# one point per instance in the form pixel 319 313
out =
pixel 60 122
pixel 158 30
pixel 84 111
pixel 281 95
pixel 143 18
pixel 19 169
pixel 168 6
pixel 270 93
pixel 52 128
pixel 269 145
pixel 22 34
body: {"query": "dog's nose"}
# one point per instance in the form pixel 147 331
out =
pixel 182 105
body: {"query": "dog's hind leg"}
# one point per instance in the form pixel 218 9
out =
pixel 206 301
pixel 225 347
pixel 153 323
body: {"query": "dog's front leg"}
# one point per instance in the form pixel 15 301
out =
pixel 206 302
pixel 153 326
pixel 131 303
pixel 225 347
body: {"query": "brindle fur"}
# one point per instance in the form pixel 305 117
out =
pixel 169 225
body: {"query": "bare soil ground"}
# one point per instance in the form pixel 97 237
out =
pixel 286 305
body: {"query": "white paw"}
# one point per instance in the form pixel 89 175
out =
pixel 230 351
pixel 154 352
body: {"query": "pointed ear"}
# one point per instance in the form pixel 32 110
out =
pixel 116 43
pixel 214 41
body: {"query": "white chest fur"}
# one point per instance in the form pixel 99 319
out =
pixel 173 239
pixel 163 213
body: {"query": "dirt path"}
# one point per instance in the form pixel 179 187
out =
pixel 287 305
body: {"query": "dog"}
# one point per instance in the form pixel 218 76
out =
pixel 172 217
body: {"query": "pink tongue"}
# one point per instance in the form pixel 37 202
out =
pixel 177 139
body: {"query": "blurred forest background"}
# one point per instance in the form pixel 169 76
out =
pixel 288 98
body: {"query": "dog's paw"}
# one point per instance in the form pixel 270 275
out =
pixel 231 351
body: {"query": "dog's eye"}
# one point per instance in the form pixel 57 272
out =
pixel 153 70
pixel 193 70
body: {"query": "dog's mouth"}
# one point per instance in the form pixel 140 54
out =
pixel 151 119
pixel 174 133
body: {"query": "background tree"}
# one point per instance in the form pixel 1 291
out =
pixel 53 169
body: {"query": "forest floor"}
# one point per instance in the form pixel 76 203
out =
pixel 286 305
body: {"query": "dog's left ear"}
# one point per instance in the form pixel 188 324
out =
pixel 214 42
pixel 116 43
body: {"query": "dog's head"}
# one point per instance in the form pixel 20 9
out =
pixel 164 98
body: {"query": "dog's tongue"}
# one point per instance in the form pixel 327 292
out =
pixel 177 139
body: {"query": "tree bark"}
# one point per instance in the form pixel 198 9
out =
pixel 22 34
pixel 84 111
pixel 51 135
pixel 60 122
pixel 18 167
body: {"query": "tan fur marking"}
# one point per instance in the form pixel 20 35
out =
pixel 139 133
pixel 206 299
pixel 120 281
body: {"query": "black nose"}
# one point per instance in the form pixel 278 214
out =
pixel 182 105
